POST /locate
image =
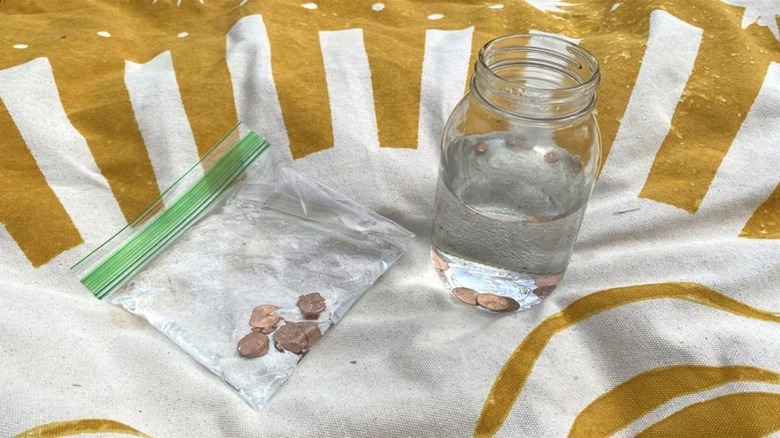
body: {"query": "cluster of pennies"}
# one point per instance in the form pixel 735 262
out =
pixel 295 337
pixel 493 302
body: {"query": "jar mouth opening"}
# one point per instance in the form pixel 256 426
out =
pixel 539 64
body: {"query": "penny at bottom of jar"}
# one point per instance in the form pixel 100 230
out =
pixel 491 289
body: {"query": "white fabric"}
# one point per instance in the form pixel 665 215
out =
pixel 407 360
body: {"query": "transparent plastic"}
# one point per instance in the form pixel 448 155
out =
pixel 519 157
pixel 269 236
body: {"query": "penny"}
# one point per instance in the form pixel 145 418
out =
pixel 265 309
pixel 311 305
pixel 480 148
pixel 266 323
pixel 439 262
pixel 551 157
pixel 468 296
pixel 312 332
pixel 516 142
pixel 497 303
pixel 252 345
pixel 548 280
pixel 543 291
pixel 260 312
pixel 535 220
pixel 290 337
pixel 257 329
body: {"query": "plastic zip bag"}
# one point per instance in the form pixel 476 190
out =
pixel 237 231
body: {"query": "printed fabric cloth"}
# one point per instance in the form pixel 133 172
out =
pixel 666 324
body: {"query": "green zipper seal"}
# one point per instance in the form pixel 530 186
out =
pixel 163 229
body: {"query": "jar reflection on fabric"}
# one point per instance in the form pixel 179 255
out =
pixel 519 157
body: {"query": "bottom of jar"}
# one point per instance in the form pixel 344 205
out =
pixel 489 288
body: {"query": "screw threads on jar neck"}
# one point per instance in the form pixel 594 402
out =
pixel 536 77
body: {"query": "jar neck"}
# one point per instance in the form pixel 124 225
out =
pixel 536 77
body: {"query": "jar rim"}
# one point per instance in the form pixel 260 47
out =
pixel 590 106
pixel 574 49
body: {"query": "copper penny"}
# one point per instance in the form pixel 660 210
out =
pixel 266 323
pixel 312 332
pixel 535 220
pixel 312 305
pixel 515 142
pixel 254 344
pixel 259 312
pixel 266 309
pixel 497 303
pixel 481 148
pixel 551 157
pixel 468 296
pixel 548 280
pixel 265 331
pixel 513 305
pixel 544 291
pixel 290 337
pixel 439 262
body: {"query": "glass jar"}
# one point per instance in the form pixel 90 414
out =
pixel 519 157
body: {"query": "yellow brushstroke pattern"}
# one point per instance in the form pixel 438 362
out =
pixel 765 222
pixel 689 157
pixel 743 415
pixel 647 391
pixel 513 375
pixel 78 427
pixel 31 210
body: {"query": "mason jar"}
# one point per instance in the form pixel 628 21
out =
pixel 519 156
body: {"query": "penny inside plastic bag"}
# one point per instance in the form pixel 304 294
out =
pixel 272 239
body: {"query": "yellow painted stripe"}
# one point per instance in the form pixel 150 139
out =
pixel 647 391
pixel 31 212
pixel 204 81
pixel 78 427
pixel 725 80
pixel 765 222
pixel 513 375
pixel 396 82
pixel 743 415
pixel 299 74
